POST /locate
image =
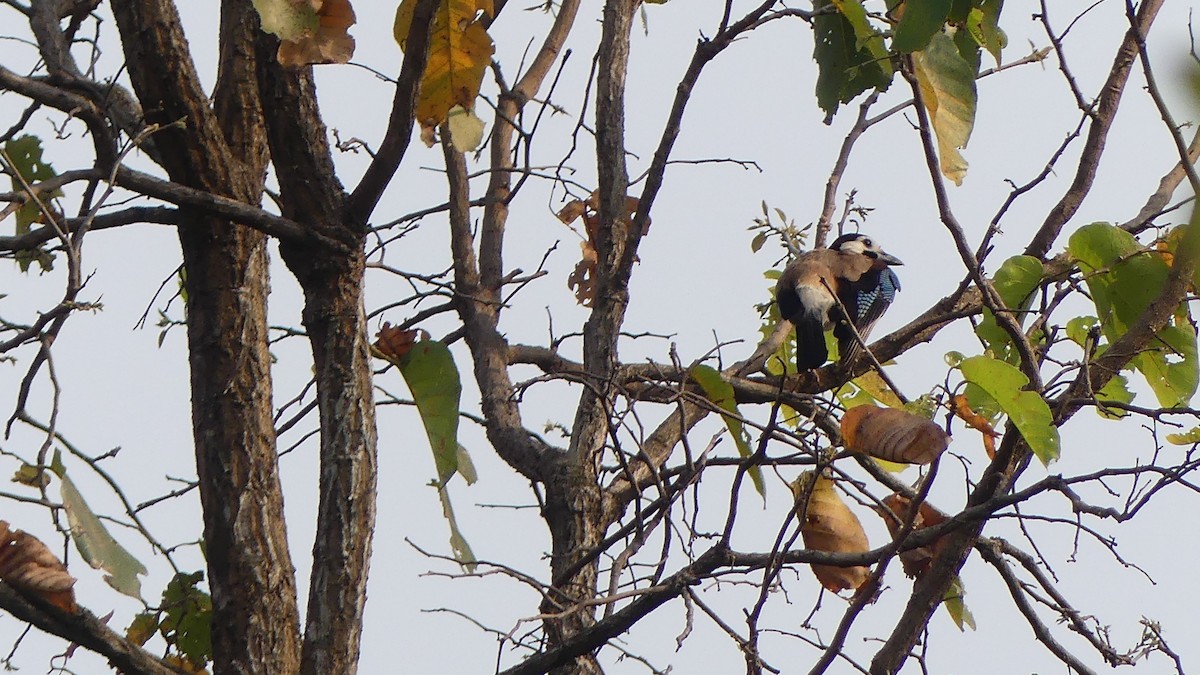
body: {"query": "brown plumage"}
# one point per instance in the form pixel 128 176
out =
pixel 856 271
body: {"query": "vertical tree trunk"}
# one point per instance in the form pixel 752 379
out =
pixel 255 618
pixel 332 280
pixel 336 324
pixel 573 514
pixel 573 498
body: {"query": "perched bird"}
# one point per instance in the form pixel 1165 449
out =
pixel 857 271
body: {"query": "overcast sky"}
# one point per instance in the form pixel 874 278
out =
pixel 697 282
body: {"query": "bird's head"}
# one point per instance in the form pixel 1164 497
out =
pixel 861 244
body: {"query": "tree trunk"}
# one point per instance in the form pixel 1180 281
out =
pixel 332 279
pixel 255 617
pixel 573 514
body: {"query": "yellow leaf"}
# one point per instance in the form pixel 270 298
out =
pixel 829 525
pixel 947 84
pixel 874 385
pixel 460 50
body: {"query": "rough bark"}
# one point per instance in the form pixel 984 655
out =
pixel 255 617
pixel 573 508
pixel 333 316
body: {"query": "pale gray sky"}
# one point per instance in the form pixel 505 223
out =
pixel 698 281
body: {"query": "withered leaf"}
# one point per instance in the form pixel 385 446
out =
pixel 394 343
pixel 583 279
pixel 978 422
pixel 27 565
pixel 827 524
pixel 892 434
pixel 896 511
pixel 310 31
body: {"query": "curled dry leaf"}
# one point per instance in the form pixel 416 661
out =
pixel 896 511
pixel 393 343
pixel 827 524
pixel 892 434
pixel 27 565
pixel 327 42
pixel 977 422
pixel 583 279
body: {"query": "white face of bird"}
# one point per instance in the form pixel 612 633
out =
pixel 862 244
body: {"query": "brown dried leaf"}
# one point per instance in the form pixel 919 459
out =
pixel 583 279
pixel 330 43
pixel 977 422
pixel 572 211
pixel 892 434
pixel 27 565
pixel 393 343
pixel 827 524
pixel 898 508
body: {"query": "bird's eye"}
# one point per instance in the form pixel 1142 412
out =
pixel 867 242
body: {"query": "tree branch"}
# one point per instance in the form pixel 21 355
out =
pixel 83 629
pixel 1093 147
pixel 398 136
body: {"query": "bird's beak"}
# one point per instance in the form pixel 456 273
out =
pixel 889 259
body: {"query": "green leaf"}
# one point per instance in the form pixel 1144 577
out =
pixel 1124 278
pixel 97 546
pixel 458 543
pixel 947 84
pixel 1026 409
pixel 25 153
pixel 968 49
pixel 187 625
pixel 31 476
pixel 142 628
pixel 921 20
pixel 1171 368
pixel 1115 391
pixel 720 393
pixel 850 54
pixel 924 405
pixel 433 379
pixel 994 39
pixel 758 241
pixel 974 25
pixel 956 606
pixel 1015 282
pixel 959 10
pixel 1190 437
pixel 1080 328
pixel 784 359
pixel 982 402
pixel 850 395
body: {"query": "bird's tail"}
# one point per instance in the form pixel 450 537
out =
pixel 810 345
pixel 849 347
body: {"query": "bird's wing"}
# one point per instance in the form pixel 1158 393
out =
pixel 865 300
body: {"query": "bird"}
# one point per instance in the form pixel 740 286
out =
pixel 854 269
